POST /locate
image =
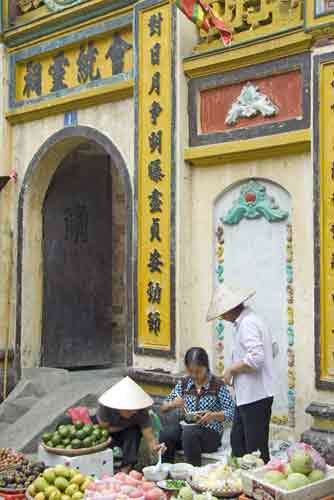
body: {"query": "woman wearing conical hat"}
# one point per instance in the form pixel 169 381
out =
pixel 251 372
pixel 123 409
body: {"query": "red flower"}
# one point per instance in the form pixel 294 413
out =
pixel 250 197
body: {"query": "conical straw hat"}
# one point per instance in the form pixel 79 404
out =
pixel 225 299
pixel 126 395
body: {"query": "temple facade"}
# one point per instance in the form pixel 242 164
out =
pixel 147 158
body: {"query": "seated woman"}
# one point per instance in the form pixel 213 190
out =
pixel 199 391
pixel 123 410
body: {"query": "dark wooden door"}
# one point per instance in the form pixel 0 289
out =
pixel 77 265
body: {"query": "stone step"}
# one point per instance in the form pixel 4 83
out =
pixel 37 381
pixel 35 384
pixel 46 413
pixel 16 409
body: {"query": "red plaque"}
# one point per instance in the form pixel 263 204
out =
pixel 283 90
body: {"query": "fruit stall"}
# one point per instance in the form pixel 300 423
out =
pixel 74 464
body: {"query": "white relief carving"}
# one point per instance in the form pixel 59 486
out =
pixel 250 103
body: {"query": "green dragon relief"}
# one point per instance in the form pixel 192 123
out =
pixel 253 203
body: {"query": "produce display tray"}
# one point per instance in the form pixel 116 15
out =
pixel 255 487
pixel 79 452
pixel 12 491
pixel 12 496
pixel 216 493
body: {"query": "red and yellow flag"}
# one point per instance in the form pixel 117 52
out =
pixel 201 13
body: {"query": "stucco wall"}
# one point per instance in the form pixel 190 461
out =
pixel 115 120
pixel 294 173
pixel 196 191
pixel 5 202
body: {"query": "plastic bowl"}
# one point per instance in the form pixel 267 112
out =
pixel 181 471
pixel 154 473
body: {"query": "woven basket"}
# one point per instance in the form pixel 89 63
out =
pixel 79 452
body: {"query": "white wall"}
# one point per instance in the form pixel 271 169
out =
pixel 294 173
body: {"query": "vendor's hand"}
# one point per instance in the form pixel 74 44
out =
pixel 208 417
pixel 228 376
pixel 156 447
pixel 163 448
pixel 178 403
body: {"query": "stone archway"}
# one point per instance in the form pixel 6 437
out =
pixel 37 183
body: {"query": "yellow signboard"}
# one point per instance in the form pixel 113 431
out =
pixel 154 171
pixel 326 171
pixel 77 65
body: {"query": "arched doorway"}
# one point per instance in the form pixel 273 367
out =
pixel 74 255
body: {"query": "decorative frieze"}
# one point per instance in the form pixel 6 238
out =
pixel 250 102
pixel 253 203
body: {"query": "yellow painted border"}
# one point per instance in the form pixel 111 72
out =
pixel 247 55
pixel 322 233
pixel 156 389
pixel 147 340
pixel 326 214
pixel 323 424
pixel 263 147
pixel 324 23
pixel 60 17
pixel 92 97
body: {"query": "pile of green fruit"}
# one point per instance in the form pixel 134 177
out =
pixel 59 483
pixel 20 477
pixel 296 474
pixel 74 437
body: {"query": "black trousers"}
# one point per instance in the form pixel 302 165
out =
pixel 193 440
pixel 250 430
pixel 128 440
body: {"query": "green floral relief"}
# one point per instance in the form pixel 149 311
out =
pixel 253 203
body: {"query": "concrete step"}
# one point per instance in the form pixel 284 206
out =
pixel 16 409
pixel 35 384
pixel 82 388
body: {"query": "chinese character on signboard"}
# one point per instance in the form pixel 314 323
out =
pixel 57 71
pixel 116 53
pixel 154 292
pixel 86 62
pixel 33 79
